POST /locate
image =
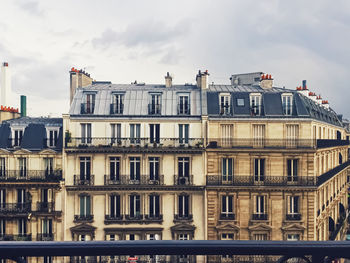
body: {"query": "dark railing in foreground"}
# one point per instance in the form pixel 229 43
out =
pixel 143 179
pixel 155 143
pixel 316 251
pixel 30 175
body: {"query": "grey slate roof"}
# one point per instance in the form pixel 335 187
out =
pixel 136 100
pixel 34 136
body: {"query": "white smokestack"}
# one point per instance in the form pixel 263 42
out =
pixel 5 91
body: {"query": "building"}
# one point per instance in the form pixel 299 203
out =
pixel 30 176
pixel 133 163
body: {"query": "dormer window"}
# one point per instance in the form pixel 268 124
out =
pixel 154 107
pixel 17 135
pixel 183 107
pixel 287 104
pixel 117 105
pixel 255 104
pixel 225 105
pixel 52 136
pixel 88 106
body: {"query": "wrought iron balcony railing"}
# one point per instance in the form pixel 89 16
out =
pixel 45 237
pixel 324 143
pixel 154 109
pixel 45 207
pixel 84 180
pixel 87 108
pixel 157 218
pixel 138 218
pixel 22 237
pixel 30 175
pixel 183 180
pixel 20 208
pixel 293 217
pixel 251 180
pixel 114 219
pixel 84 142
pixel 259 216
pixel 116 108
pixel 83 218
pixel 134 180
pixel 230 216
pixel 184 217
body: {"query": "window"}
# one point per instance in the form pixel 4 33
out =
pixel 227 207
pixel 153 168
pixel 46 227
pixel 287 102
pixel 22 227
pixel 240 102
pixel 48 166
pixel 183 206
pixel 183 133
pixel 117 105
pixel 44 205
pixel 153 237
pixel 89 104
pixel 225 104
pixel 226 236
pixel 260 237
pixel 227 169
pixel 183 236
pixel 17 135
pixel 154 106
pixel 293 237
pixel 259 170
pixel 2 198
pixel 226 135
pixel 134 168
pixel 255 104
pixel 114 168
pixel 154 133
pixel 85 132
pixel 184 105
pixel 85 206
pixel 183 170
pixel 116 133
pixel 85 169
pixel 135 133
pixel 2 166
pixel 2 227
pixel 292 170
pixel 260 208
pixel 114 206
pixel 154 206
pixel 134 208
pixel 292 135
pixel 258 135
pixel 52 136
pixel 22 167
pixel 293 205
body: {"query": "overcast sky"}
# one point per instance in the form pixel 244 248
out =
pixel 123 41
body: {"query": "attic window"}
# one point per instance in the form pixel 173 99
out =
pixel 287 103
pixel 16 135
pixel 240 102
pixel 225 99
pixel 52 136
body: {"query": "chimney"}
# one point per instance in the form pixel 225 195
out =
pixel 5 94
pixel 303 89
pixel 23 106
pixel 168 80
pixel 319 99
pixel 266 81
pixel 202 79
pixel 198 79
pixel 78 79
pixel 325 104
pixel 312 96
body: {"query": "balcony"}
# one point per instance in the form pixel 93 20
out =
pixel 139 218
pixel 15 208
pixel 83 218
pixel 250 180
pixel 45 207
pixel 180 218
pixel 231 216
pixel 141 180
pixel 293 217
pixel 153 219
pixel 183 180
pixel 134 143
pixel 22 237
pixel 84 180
pixel 114 219
pixel 259 217
pixel 45 237
pixel 135 218
pixel 87 108
pixel 328 175
pixel 154 109
pixel 261 143
pixel 6 237
pixel 324 143
pixel 116 108
pixel 30 176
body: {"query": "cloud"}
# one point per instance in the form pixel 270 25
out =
pixel 31 7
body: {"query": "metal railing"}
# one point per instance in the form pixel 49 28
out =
pixel 183 180
pixel 259 216
pixel 45 237
pixel 87 108
pixel 328 175
pixel 30 175
pixel 83 142
pixel 84 180
pixel 83 218
pixel 134 180
pixel 139 218
pixel 45 207
pixel 309 251
pixel 325 143
pixel 22 237
pixel 185 217
pixel 230 216
pixel 293 217
pixel 15 208
pixel 251 180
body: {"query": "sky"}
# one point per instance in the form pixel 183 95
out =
pixel 123 41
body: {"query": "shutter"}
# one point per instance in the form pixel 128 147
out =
pixel 82 207
pixel 181 132
pixel 88 205
pixel 132 134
